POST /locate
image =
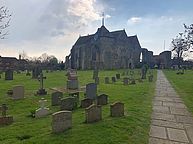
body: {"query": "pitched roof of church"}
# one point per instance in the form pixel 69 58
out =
pixel 104 32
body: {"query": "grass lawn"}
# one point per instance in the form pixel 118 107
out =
pixel 133 128
pixel 183 85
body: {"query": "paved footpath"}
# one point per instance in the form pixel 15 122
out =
pixel 171 122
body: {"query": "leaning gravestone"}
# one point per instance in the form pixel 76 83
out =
pixel 18 92
pixel 61 121
pixel 117 109
pixel 56 98
pixel 4 119
pixel 86 103
pixel 106 80
pixel 42 111
pixel 9 75
pixel 102 99
pixel 118 76
pixel 68 103
pixel 91 91
pixel 113 79
pixel 93 113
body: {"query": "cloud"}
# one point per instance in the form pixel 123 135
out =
pixel 134 20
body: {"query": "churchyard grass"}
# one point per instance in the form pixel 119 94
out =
pixel 183 84
pixel 133 128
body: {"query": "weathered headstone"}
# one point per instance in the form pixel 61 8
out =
pixel 125 81
pixel 56 98
pixel 91 91
pixel 9 75
pixel 68 103
pixel 117 109
pixel 4 119
pixel 18 92
pixel 107 80
pixel 61 121
pixel 42 111
pixel 93 113
pixel 102 99
pixel 113 79
pixel 41 90
pixel 86 103
pixel 118 76
pixel 72 82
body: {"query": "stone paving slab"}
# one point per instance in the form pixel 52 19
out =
pixel 171 122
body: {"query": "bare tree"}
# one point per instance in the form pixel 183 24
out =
pixel 5 18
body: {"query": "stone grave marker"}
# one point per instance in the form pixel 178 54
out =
pixel 102 99
pixel 9 75
pixel 117 109
pixel 97 80
pixel 61 121
pixel 93 113
pixel 91 91
pixel 68 103
pixel 4 119
pixel 18 92
pixel 118 76
pixel 42 111
pixel 41 90
pixel 107 80
pixel 72 79
pixel 56 98
pixel 113 79
pixel 95 74
pixel 125 81
pixel 86 103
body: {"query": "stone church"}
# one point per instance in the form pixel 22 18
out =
pixel 105 50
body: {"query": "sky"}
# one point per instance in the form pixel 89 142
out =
pixel 53 26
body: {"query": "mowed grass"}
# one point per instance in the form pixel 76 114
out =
pixel 133 128
pixel 183 85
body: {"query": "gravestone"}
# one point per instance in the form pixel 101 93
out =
pixel 107 80
pixel 42 111
pixel 118 76
pixel 4 119
pixel 93 113
pixel 76 96
pixel 61 121
pixel 72 79
pixel 95 74
pixel 9 75
pixel 18 92
pixel 143 72
pixel 113 79
pixel 150 78
pixel 41 90
pixel 102 99
pixel 36 72
pixel 91 91
pixel 97 80
pixel 56 98
pixel 68 103
pixel 117 109
pixel 125 81
pixel 86 103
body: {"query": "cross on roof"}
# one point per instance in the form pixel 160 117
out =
pixel 3 109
